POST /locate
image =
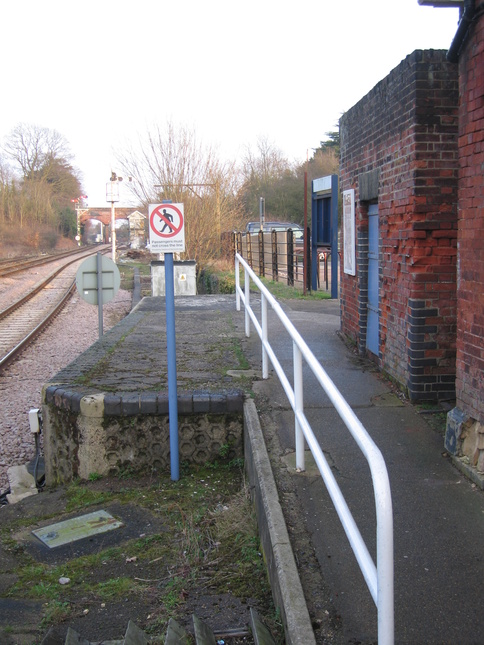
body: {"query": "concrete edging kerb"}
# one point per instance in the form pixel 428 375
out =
pixel 281 565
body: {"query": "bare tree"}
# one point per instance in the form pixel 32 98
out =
pixel 7 192
pixel 266 165
pixel 267 173
pixel 46 181
pixel 170 163
pixel 32 148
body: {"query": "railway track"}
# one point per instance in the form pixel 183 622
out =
pixel 14 265
pixel 24 320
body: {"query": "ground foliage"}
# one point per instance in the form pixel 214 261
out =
pixel 203 556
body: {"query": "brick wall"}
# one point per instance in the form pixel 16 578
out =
pixel 404 133
pixel 470 321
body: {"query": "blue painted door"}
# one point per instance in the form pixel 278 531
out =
pixel 373 321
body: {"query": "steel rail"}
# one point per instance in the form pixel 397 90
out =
pixel 32 335
pixel 4 262
pixel 38 287
pixel 51 313
pixel 18 266
pixel 28 296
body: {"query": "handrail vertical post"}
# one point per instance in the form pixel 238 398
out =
pixel 385 573
pixel 264 321
pixel 247 303
pixel 298 406
pixel 237 283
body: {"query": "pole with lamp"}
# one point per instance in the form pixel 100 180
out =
pixel 80 209
pixel 112 195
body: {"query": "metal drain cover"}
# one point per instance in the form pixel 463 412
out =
pixel 77 528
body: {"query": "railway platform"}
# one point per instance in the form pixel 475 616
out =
pixel 438 512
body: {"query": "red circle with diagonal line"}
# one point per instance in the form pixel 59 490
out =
pixel 165 221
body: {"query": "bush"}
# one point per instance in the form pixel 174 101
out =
pixel 49 239
pixel 210 281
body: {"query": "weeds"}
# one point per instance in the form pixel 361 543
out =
pixel 209 545
pixel 283 291
pixel 56 612
pixel 225 450
pixel 80 497
pixel 213 280
pixel 127 471
pixel 114 589
pixel 239 354
pixel 173 593
pixel 435 416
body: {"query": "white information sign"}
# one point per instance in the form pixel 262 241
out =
pixel 167 228
pixel 349 231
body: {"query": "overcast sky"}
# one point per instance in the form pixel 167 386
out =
pixel 100 72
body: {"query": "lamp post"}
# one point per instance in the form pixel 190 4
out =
pixel 79 206
pixel 112 195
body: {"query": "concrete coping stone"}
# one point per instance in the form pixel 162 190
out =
pixel 150 403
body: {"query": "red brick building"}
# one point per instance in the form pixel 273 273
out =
pixel 399 155
pixel 465 426
pixel 412 151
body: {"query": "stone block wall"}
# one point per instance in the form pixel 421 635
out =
pixel 108 434
pixel 399 150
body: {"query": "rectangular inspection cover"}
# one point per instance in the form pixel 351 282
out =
pixel 77 528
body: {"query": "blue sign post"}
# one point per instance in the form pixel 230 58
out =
pixel 172 377
pixel 167 234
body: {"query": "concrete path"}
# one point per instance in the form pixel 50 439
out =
pixel 438 513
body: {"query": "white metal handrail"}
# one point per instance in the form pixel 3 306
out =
pixel 379 578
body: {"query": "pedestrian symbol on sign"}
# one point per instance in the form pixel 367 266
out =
pixel 167 219
pixel 167 228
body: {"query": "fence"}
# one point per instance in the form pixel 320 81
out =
pixel 277 256
pixel 379 578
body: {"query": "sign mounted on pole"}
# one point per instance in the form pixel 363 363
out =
pixel 167 228
pixel 90 278
pixel 97 281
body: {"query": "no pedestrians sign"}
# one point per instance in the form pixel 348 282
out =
pixel 167 228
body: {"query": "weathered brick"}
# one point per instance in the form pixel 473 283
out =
pixel 406 128
pixel 469 381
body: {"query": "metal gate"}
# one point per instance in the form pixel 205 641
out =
pixel 372 330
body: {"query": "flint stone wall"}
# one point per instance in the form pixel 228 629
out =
pixel 108 435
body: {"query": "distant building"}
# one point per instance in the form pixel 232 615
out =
pixel 135 223
pixel 137 230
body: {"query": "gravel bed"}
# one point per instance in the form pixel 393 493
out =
pixel 73 331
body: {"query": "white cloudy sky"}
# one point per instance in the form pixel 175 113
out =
pixel 100 72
